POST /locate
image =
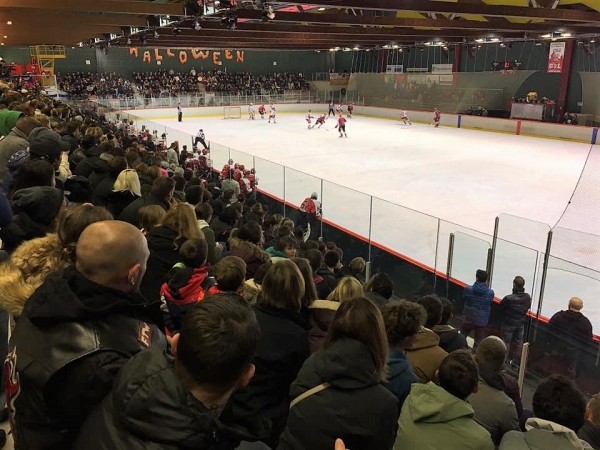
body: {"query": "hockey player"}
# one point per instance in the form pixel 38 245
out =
pixel 309 118
pixel 200 138
pixel 261 111
pixel 437 115
pixel 311 207
pixel 350 109
pixel 341 126
pixel 251 111
pixel 339 109
pixel 404 117
pixel 331 111
pixel 272 113
pixel 320 121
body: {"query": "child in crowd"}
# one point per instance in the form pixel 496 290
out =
pixel 230 274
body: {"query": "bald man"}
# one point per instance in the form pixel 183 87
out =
pixel 572 324
pixel 494 410
pixel 77 330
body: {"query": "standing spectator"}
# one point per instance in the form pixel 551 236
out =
pixel 379 289
pixel 494 410
pixel 315 258
pixel 172 156
pixel 212 358
pixel 425 355
pixel 478 300
pixel 514 308
pixel 559 409
pixel 402 321
pixel 161 195
pixel 94 313
pixel 439 417
pixel 338 392
pixel 450 338
pixel 282 349
pixel 590 431
pixel 203 215
pixel 572 322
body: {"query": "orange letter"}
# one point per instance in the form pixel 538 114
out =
pixel 228 54
pixel 182 57
pixel 216 61
pixel 170 54
pixel 157 55
pixel 134 51
pixel 147 58
pixel 197 53
pixel 240 56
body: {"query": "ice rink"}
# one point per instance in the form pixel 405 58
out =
pixel 446 180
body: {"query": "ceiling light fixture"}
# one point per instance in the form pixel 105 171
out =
pixel 356 48
pixel 427 44
pixel 321 9
pixel 9 22
pixel 546 36
pixel 592 41
pixel 480 40
pixel 495 39
pixel 566 35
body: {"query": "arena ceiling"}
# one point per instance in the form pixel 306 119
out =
pixel 321 24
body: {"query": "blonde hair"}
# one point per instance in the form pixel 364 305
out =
pixel 128 180
pixel 43 119
pixel 94 131
pixel 347 288
pixel 182 219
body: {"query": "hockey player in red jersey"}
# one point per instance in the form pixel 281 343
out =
pixel 350 109
pixel 261 111
pixel 320 121
pixel 437 116
pixel 311 207
pixel 341 126
pixel 309 118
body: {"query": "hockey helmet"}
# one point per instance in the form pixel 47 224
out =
pixel 253 170
pixel 236 166
pixel 237 175
pixel 246 173
pixel 242 167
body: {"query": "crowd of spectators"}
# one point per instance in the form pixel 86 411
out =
pixel 82 85
pixel 162 305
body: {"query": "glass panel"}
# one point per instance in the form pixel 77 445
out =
pixel 526 232
pixel 242 158
pixel 269 178
pixel 445 229
pixel 347 208
pixel 511 260
pixel 468 255
pixel 299 185
pixel 219 155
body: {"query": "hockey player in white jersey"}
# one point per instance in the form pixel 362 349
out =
pixel 251 111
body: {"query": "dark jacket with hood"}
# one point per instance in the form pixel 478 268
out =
pixel 376 298
pixel 149 407
pixel 163 256
pixel 94 168
pixel 356 407
pixel 102 191
pixel 572 327
pixel 401 375
pixel 514 308
pixel 34 213
pixel 71 340
pixel 478 304
pixel 323 289
pixel 145 182
pixel 450 338
pixel 590 433
pixel 328 276
pixel 282 349
pixel 130 213
pixel 252 254
pixel 321 313
pixel 117 201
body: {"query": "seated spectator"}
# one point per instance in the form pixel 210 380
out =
pixel 315 258
pixel 478 300
pixel 268 231
pixel 379 289
pixel 559 409
pixel 253 286
pixel 282 349
pixel 327 271
pixel 164 242
pixel 439 417
pixel 450 338
pixel 161 194
pixel 229 274
pixel 203 216
pixel 590 431
pixel 494 410
pixel 310 292
pixel 338 391
pixel 35 210
pixel 425 355
pixel 355 269
pixel 103 189
pixel 224 223
pixel 124 191
pixel 149 217
pixel 347 288
pixel 212 359
pixel 186 283
pixel 31 174
pixel 513 309
pixel 98 301
pixel 283 250
pixel 402 321
pixel 246 243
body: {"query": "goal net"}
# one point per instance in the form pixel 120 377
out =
pixel 232 112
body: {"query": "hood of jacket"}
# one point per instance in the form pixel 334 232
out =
pixel 345 364
pixel 543 434
pixel 40 203
pixel 67 295
pixel 322 312
pixel 276 253
pixel 248 251
pixel 161 239
pixel 8 120
pixel 425 339
pixel 186 283
pixel 480 288
pixel 149 400
pixel 491 378
pixel 430 403
pixel 398 365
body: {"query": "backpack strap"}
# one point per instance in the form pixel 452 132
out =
pixel 308 393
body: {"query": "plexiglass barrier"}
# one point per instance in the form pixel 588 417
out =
pixel 347 208
pixel 271 177
pixel 467 255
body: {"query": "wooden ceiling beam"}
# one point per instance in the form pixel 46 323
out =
pixel 109 6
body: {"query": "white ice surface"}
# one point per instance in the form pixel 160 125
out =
pixel 466 178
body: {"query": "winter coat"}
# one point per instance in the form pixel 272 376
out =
pixel 478 304
pixel 425 355
pixel 323 289
pixel 231 184
pixel 117 201
pixel 35 210
pixel 276 255
pixel 320 318
pixel 149 407
pixel 8 120
pixel 401 375
pixel 543 435
pixel 93 164
pixel 328 276
pixel 27 268
pixel 251 291
pixel 282 349
pixel 514 307
pixel 221 229
pixel 590 433
pixel 511 388
pixel 355 408
pixel 214 255
pixel 130 213
pixel 71 141
pixel 163 256
pixel 494 410
pixel 15 140
pixel 450 338
pixel 6 214
pixel 572 327
pixel 145 183
pixel 102 191
pixel 270 239
pixel 434 419
pixel 252 254
pixel 379 300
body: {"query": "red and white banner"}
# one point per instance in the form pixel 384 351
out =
pixel 556 57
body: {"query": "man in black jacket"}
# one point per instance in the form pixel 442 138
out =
pixel 172 403
pixel 76 331
pixel 161 194
pixel 514 309
pixel 590 431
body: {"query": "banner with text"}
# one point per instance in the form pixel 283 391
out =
pixel 556 57
pixel 439 69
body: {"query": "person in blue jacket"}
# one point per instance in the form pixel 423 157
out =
pixel 478 300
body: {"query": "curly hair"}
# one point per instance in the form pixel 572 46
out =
pixel 402 319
